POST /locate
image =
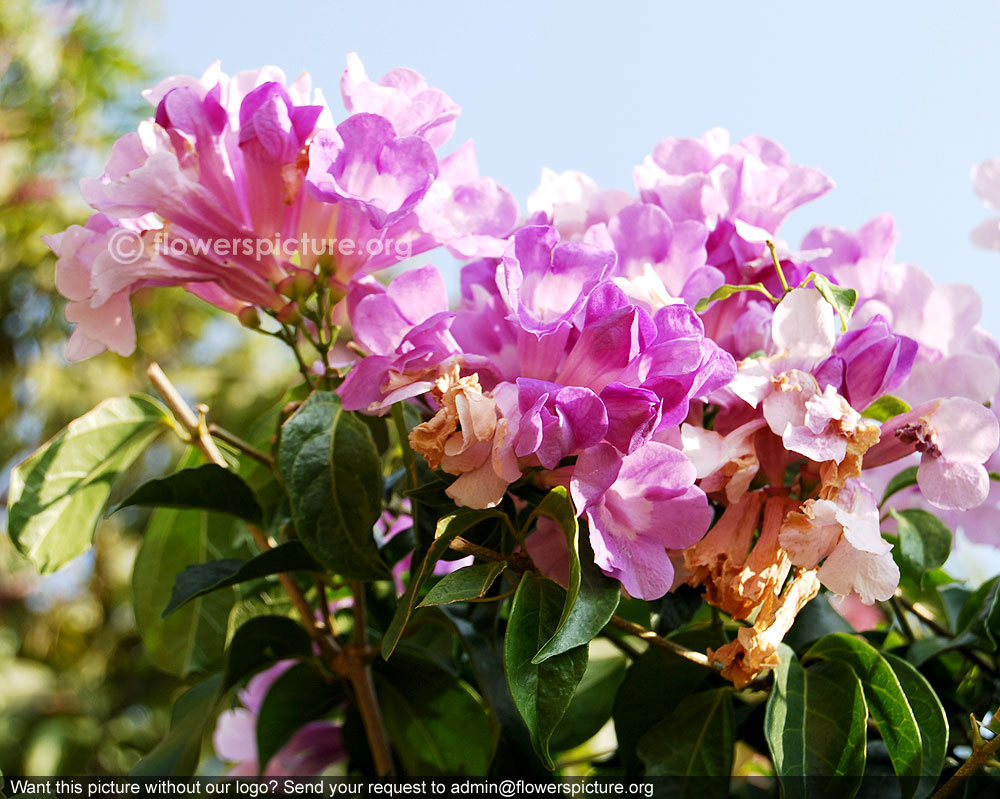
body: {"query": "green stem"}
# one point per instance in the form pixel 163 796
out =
pixel 289 339
pixel 777 266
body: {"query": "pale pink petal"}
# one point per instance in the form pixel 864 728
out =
pixel 951 484
pixel 872 577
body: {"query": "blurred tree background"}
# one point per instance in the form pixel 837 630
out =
pixel 79 694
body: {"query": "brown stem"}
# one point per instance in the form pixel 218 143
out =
pixel 359 672
pixel 197 429
pixel 979 758
pixel 656 640
pixel 517 562
pixel 194 425
pixel 324 605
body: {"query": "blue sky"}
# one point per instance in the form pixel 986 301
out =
pixel 896 101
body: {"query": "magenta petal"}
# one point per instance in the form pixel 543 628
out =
pixel 633 415
pixel 365 165
pixel 649 506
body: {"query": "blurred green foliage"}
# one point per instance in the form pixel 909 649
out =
pixel 78 694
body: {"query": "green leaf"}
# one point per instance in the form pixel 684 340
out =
pixel 886 702
pixel 590 603
pixel 437 724
pixel 931 720
pixel 815 728
pixel 842 299
pixel 205 487
pixel 477 627
pixel 261 641
pixel 695 740
pixel 177 755
pixel 332 473
pixel 905 479
pixel 298 696
pixel 595 605
pixel 885 407
pixel 194 638
pixel 57 495
pixel 594 699
pixel 645 696
pixel 541 691
pixel 448 528
pixel 469 582
pixel 924 541
pixel 204 578
pixel 728 290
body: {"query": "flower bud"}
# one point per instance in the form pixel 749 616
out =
pixel 289 315
pixel 249 317
pixel 304 283
pixel 876 361
pixel 286 287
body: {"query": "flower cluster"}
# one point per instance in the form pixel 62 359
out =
pixel 576 358
pixel 662 355
pixel 265 168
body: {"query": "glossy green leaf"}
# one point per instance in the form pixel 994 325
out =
pixel 885 407
pixel 595 604
pixel 924 541
pixel 931 720
pixel 436 723
pixel 177 755
pixel 728 290
pixel 886 702
pixel 469 582
pixel 332 473
pixel 645 696
pixel 591 597
pixel 594 699
pixel 56 496
pixel 194 638
pixel 300 695
pixel 204 578
pixel 695 742
pixel 206 487
pixel 478 629
pixel 841 298
pixel 541 691
pixel 905 479
pixel 815 728
pixel 448 528
pixel 261 641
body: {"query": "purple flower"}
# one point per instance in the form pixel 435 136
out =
pixel 307 753
pixel 546 283
pixel 546 360
pixel 954 436
pixel 646 239
pixel 709 181
pixel 638 506
pixel 875 361
pixel 237 184
pixel 403 97
pixel 363 164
